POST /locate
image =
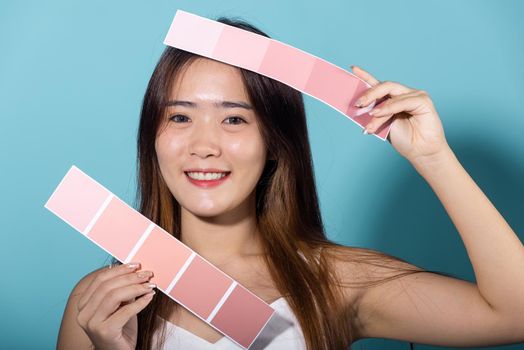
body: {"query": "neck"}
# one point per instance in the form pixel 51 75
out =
pixel 224 238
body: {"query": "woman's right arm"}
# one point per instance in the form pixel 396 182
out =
pixel 102 307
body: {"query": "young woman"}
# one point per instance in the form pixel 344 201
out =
pixel 260 223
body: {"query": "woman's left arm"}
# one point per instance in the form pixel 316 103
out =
pixel 495 251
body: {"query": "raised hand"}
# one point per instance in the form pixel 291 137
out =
pixel 108 307
pixel 416 131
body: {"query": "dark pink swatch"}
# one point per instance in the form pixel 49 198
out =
pixel 201 287
pixel 242 316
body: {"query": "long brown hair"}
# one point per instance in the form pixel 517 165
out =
pixel 287 209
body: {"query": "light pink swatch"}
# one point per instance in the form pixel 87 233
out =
pixel 157 241
pixel 125 228
pixel 255 47
pixel 179 272
pixel 307 73
pixel 199 36
pixel 287 64
pixel 78 208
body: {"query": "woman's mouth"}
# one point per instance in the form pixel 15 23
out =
pixel 207 179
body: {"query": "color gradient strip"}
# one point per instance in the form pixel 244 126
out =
pixel 307 73
pixel 179 272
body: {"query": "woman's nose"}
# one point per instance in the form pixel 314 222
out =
pixel 204 141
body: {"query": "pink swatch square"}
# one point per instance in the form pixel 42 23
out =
pixel 334 85
pixel 242 316
pixel 118 228
pixel 77 199
pixel 201 287
pixel 253 52
pixel 194 33
pixel 163 255
pixel 288 64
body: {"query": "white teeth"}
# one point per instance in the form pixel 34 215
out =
pixel 206 176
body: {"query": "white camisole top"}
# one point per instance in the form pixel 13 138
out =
pixel 282 332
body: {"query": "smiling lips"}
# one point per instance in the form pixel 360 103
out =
pixel 207 178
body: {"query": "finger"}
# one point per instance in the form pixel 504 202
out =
pixel 108 287
pixel 387 102
pixel 113 300
pixel 406 106
pixel 374 125
pixel 413 103
pixel 380 91
pixel 124 314
pixel 378 120
pixel 368 78
pixel 107 273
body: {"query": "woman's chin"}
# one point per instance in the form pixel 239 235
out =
pixel 206 211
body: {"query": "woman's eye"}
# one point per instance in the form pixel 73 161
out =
pixel 178 118
pixel 236 120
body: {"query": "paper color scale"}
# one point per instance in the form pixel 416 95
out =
pixel 307 73
pixel 179 272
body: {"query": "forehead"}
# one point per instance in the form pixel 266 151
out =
pixel 205 77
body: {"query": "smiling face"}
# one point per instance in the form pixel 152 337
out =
pixel 210 125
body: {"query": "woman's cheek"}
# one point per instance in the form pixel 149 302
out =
pixel 168 146
pixel 248 152
pixel 235 148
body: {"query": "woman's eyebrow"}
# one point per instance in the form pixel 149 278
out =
pixel 221 104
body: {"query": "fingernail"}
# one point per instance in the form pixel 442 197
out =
pixel 151 285
pixel 358 103
pixel 133 265
pixel 143 274
pixel 365 132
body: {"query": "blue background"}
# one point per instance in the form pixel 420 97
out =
pixel 72 77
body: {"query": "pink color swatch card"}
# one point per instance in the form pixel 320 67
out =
pixel 179 272
pixel 309 74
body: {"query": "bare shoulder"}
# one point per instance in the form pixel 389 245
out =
pixel 71 335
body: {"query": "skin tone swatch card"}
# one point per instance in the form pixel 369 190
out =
pixel 179 272
pixel 309 74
